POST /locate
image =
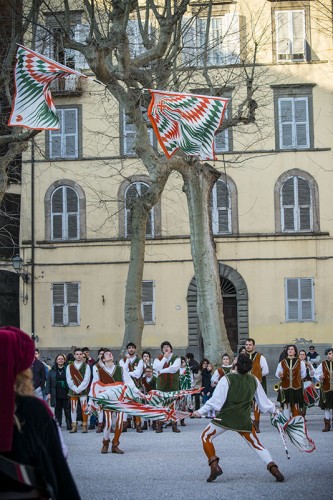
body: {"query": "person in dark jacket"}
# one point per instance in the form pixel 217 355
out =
pixel 57 390
pixel 32 461
pixel 39 375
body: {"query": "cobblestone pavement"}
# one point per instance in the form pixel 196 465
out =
pixel 170 465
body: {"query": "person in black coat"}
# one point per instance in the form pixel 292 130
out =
pixel 57 390
pixel 32 461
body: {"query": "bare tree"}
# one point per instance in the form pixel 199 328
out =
pixel 163 54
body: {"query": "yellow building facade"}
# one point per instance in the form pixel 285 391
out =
pixel 271 208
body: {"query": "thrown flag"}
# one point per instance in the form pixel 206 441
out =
pixel 33 106
pixel 295 429
pixel 186 121
pixel 118 397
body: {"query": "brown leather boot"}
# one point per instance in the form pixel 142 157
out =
pixel 115 449
pixel 74 429
pixel 99 428
pixel 174 427
pixel 84 428
pixel 145 426
pixel 138 428
pixel 153 425
pixel 215 469
pixel 105 447
pixel 182 422
pixel 159 426
pixel 256 426
pixel 274 470
pixel 327 427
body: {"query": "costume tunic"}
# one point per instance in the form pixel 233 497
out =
pixel 232 399
pixel 167 370
pixel 219 373
pixel 134 367
pixel 325 370
pixel 291 389
pixel 78 378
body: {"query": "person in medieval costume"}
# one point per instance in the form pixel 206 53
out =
pixel 221 370
pixel 324 373
pixel 185 383
pixel 232 400
pixel 148 384
pixel 291 371
pixel 109 373
pixel 133 364
pixel 78 380
pixel 167 366
pixel 259 370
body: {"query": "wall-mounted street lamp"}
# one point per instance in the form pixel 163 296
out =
pixel 17 265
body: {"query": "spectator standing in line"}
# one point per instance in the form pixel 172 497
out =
pixel 32 461
pixel 194 367
pixel 313 356
pixel 206 374
pixel 57 390
pixel 39 375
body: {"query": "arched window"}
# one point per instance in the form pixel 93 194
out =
pixel 224 207
pixel 65 217
pixel 297 203
pixel 65 211
pixel 133 191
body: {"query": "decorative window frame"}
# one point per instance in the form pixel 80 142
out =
pixel 293 91
pixel 295 172
pixel 65 304
pixel 82 208
pixel 122 208
pixel 150 302
pixel 291 5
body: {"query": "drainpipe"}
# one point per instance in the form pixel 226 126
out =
pixel 33 236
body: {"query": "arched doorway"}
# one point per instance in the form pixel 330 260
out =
pixel 235 309
pixel 9 299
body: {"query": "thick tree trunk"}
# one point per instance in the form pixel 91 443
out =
pixel 198 183
pixel 133 314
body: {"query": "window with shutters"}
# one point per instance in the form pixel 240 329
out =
pixel 65 143
pixel 296 200
pixel 222 138
pixel 290 35
pixel 133 191
pixel 293 109
pixel 294 123
pixel 296 205
pixel 148 302
pixel 66 304
pixel 221 208
pixel 129 133
pixel 65 215
pixel 299 295
pixel 223 35
pixel 65 211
